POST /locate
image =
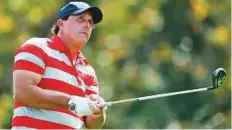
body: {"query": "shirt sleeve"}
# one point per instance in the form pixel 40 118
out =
pixel 30 57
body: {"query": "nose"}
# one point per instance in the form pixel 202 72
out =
pixel 87 24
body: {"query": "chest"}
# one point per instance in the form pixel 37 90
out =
pixel 61 69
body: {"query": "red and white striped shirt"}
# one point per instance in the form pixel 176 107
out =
pixel 52 59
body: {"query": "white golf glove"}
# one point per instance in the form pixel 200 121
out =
pixel 80 105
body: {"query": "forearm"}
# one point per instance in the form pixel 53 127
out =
pixel 95 122
pixel 36 97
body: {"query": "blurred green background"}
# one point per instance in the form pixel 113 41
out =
pixel 142 47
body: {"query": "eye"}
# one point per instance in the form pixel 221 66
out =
pixel 90 22
pixel 80 19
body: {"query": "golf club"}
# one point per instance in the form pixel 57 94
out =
pixel 219 75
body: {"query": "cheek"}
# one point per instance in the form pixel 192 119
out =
pixel 71 28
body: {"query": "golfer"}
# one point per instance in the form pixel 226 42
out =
pixel 54 86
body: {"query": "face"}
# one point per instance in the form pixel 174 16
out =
pixel 76 30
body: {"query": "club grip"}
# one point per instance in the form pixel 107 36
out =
pixel 104 105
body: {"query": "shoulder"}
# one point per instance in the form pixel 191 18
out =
pixel 38 42
pixel 35 46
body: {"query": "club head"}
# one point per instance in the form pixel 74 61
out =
pixel 218 77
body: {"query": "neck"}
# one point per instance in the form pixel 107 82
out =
pixel 72 49
pixel 73 52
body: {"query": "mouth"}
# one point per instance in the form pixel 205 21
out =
pixel 85 34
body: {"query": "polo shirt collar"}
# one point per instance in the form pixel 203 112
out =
pixel 58 44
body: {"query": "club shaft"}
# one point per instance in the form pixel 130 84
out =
pixel 157 96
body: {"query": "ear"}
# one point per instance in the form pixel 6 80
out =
pixel 60 23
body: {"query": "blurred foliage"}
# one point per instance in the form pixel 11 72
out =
pixel 142 47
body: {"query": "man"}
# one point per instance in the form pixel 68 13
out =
pixel 54 86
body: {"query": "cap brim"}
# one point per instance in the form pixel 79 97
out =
pixel 95 11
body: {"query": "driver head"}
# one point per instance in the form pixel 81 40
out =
pixel 219 75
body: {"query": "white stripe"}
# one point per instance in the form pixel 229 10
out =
pixel 21 128
pixel 57 55
pixel 86 69
pixel 29 57
pixel 42 43
pixel 53 73
pixel 48 115
pixel 93 88
pixel 39 42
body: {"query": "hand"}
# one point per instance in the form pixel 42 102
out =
pixel 97 100
pixel 80 105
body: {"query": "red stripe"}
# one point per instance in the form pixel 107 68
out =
pixel 26 65
pixel 33 50
pixel 89 79
pixel 55 63
pixel 17 105
pixel 52 84
pixel 37 123
pixel 89 92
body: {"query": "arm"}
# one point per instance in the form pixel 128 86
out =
pixel 28 93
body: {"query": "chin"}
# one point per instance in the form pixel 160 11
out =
pixel 81 44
